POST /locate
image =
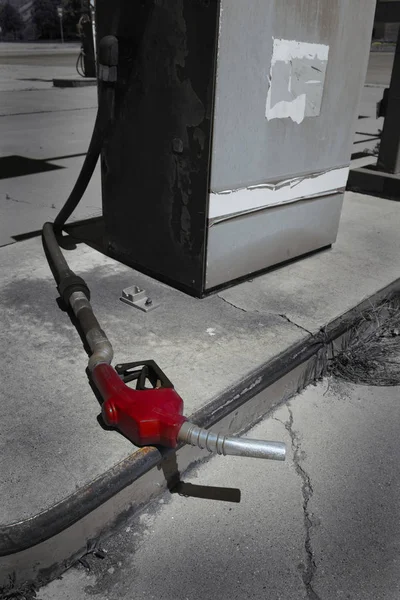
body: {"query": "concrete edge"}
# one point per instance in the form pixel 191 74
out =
pixel 22 535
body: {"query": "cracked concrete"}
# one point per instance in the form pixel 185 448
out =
pixel 349 437
pixel 232 303
pixel 322 526
pixel 307 492
pixel 296 324
pixel 284 317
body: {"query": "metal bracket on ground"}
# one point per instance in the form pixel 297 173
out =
pixel 137 297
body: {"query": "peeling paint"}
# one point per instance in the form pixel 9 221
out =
pixel 261 196
pixel 296 80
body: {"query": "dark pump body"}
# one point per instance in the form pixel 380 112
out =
pixel 156 163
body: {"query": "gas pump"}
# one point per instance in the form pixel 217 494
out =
pixel 86 62
pixel 224 129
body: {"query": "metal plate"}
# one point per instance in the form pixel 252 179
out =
pixel 136 297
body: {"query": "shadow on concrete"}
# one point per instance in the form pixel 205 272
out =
pixel 18 166
pixel 169 466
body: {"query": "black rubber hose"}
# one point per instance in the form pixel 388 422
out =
pixel 79 64
pixel 67 281
pixel 57 262
pixel 101 127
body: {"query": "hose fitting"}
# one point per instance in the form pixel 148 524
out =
pixel 102 351
pixel 100 346
pixel 71 284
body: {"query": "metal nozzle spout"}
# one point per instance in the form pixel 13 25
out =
pixel 217 442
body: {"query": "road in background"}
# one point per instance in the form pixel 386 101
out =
pixel 45 54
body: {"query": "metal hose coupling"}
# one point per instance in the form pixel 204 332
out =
pixel 235 446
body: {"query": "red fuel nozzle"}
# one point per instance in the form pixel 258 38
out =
pixel 153 416
pixel 146 416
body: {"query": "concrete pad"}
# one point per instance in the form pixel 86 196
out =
pixel 53 99
pixel 18 78
pixel 316 289
pixel 28 202
pixel 29 135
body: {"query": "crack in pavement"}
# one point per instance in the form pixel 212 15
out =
pixel 8 197
pixel 296 324
pixel 283 316
pixel 234 305
pixel 307 492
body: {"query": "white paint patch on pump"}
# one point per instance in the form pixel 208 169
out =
pixel 296 80
pixel 244 200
